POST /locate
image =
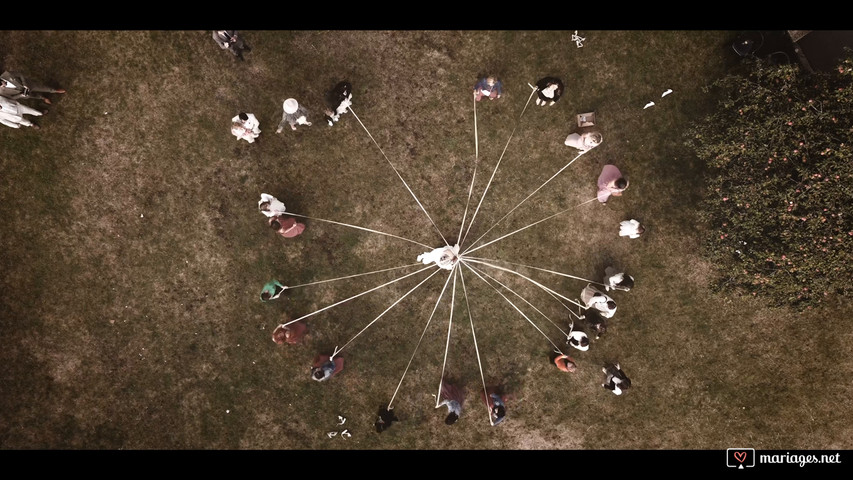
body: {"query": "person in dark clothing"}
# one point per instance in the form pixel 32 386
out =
pixel 549 90
pixel 386 418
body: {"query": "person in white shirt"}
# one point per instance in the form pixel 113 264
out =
pixel 594 298
pixel 270 206
pixel 12 114
pixel 245 126
pixel 616 380
pixel 585 141
pixel 616 280
pixel 631 228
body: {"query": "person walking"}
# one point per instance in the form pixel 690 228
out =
pixel 616 280
pixel 232 41
pixel 12 114
pixel 15 86
pixel 339 100
pixel 489 87
pixel 631 228
pixel 595 321
pixel 385 417
pixel 579 340
pixel 497 406
pixel 616 380
pixel 452 397
pixel 325 368
pixel 291 334
pixel 287 227
pixel 584 142
pixel 610 182
pixel 294 114
pixel 596 299
pixel 272 290
pixel 565 363
pixel 270 206
pixel 549 90
pixel 245 126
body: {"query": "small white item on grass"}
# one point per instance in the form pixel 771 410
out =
pixel 227 411
pixel 650 104
pixel 578 39
pixel 341 420
pixel 667 92
pixel 332 434
pixel 346 433
pixel 141 215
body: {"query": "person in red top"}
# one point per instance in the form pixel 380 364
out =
pixel 292 333
pixel 287 227
pixel 565 363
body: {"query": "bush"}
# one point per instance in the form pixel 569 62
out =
pixel 778 196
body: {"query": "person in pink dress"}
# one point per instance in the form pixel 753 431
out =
pixel 610 182
pixel 287 227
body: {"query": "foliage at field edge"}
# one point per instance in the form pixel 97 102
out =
pixel 779 188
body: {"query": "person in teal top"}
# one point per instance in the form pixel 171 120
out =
pixel 272 290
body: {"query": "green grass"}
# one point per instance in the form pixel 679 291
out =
pixel 133 251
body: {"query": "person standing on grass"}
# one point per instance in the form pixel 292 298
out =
pixel 596 299
pixel 385 418
pixel 631 228
pixel 610 182
pixel 339 100
pixel 15 86
pixel 294 114
pixel 245 126
pixel 579 340
pixel 270 206
pixel 616 280
pixel 489 87
pixel 550 89
pixel 596 322
pixel 292 333
pixel 12 114
pixel 324 367
pixel 497 406
pixel 272 290
pixel 452 397
pixel 232 41
pixel 287 227
pixel 565 363
pixel 584 142
pixel 616 380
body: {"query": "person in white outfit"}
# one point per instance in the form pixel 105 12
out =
pixel 585 141
pixel 270 206
pixel 616 280
pixel 245 126
pixel 12 114
pixel 630 228
pixel 294 114
pixel 594 298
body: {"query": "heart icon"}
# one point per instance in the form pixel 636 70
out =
pixel 740 456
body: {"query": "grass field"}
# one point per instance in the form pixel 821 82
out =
pixel 133 252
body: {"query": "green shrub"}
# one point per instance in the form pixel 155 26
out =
pixel 778 197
